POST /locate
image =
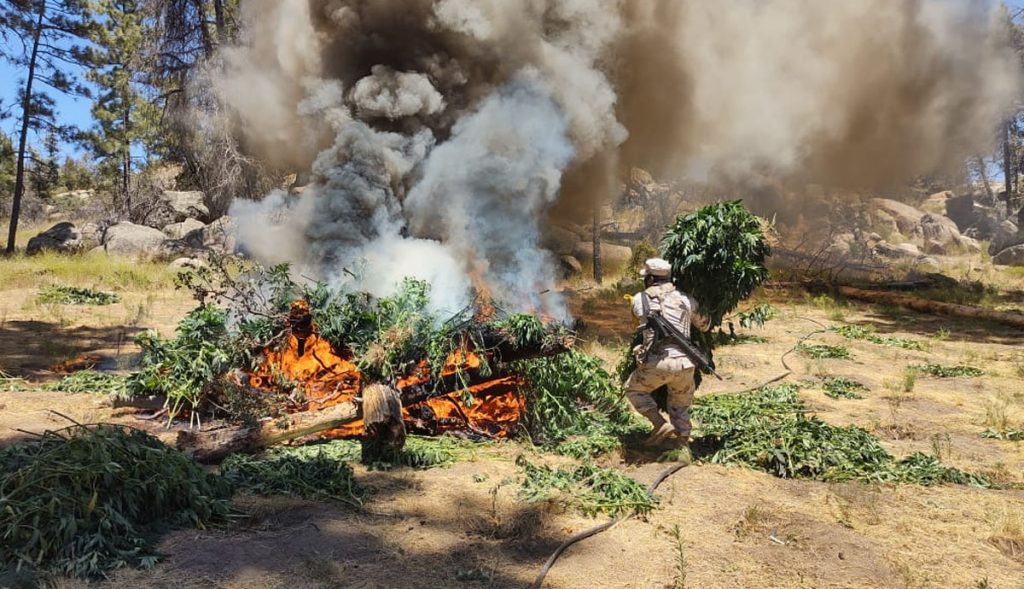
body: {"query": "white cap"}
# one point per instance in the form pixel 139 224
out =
pixel 656 267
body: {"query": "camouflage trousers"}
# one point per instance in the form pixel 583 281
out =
pixel 674 373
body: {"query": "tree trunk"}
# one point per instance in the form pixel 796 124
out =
pixel 26 118
pixel 126 163
pixel 984 180
pixel 928 306
pixel 1008 174
pixel 596 241
pixel 218 15
pixel 204 29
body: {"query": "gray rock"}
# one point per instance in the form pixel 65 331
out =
pixel 936 203
pixel 138 241
pixel 961 210
pixel 559 240
pixel 940 230
pixel 969 245
pixel 187 264
pixel 1006 234
pixel 900 251
pixel 92 236
pixel 174 207
pixel 1011 256
pixel 613 257
pixel 935 247
pixel 907 218
pixel 63 237
pixel 180 230
pixel 570 266
pixel 219 236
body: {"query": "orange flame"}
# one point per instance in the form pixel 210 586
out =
pixel 318 376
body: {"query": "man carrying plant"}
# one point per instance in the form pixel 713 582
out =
pixel 661 360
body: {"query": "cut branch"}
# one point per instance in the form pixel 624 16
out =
pixel 928 306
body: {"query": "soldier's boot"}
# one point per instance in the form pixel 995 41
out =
pixel 662 431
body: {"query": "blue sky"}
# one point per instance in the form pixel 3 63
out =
pixel 75 111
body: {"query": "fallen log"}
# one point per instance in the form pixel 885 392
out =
pixel 928 306
pixel 209 447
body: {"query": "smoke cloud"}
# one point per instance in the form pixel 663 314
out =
pixel 441 134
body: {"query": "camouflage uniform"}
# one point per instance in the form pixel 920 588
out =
pixel 666 364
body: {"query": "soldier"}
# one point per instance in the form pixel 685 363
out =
pixel 663 362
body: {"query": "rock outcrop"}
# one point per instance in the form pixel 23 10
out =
pixel 63 237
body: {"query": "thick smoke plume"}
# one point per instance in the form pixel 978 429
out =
pixel 440 134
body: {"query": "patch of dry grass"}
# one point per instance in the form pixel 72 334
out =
pixel 85 270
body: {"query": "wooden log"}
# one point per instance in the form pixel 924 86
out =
pixel 383 428
pixel 148 402
pixel 212 446
pixel 928 306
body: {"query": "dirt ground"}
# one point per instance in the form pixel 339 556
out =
pixel 462 526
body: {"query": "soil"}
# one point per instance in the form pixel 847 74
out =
pixel 463 526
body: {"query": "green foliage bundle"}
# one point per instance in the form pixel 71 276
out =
pixel 312 476
pixel 91 381
pixel 572 395
pixel 73 295
pixel 860 332
pixel 1011 435
pixel 943 371
pixel 89 499
pixel 185 368
pixel 718 255
pixel 838 387
pixel 12 384
pixel 770 430
pixel 820 351
pixel 757 316
pixel 586 488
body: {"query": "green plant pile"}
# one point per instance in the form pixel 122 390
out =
pixel 820 351
pixel 388 337
pixel 312 476
pixel 860 332
pixel 586 488
pixel 573 405
pixel 91 381
pixel 770 430
pixel 943 371
pixel 838 387
pixel 89 499
pixel 12 384
pixel 73 295
pixel 757 316
pixel 1011 435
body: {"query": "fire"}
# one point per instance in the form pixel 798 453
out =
pixel 319 376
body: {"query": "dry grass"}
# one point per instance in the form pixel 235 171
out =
pixel 86 270
pixel 1008 533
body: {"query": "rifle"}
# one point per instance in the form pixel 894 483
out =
pixel 662 328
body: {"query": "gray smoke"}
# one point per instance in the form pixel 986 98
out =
pixel 441 134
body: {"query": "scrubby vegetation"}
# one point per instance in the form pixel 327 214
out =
pixel 821 351
pixel 860 332
pixel 943 371
pixel 586 488
pixel 838 387
pixel 91 381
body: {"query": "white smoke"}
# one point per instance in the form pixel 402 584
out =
pixel 439 134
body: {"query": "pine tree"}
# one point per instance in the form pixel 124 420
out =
pixel 125 116
pixel 49 35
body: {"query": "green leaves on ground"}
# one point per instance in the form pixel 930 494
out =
pixel 1011 435
pixel 770 430
pixel 838 387
pixel 820 351
pixel 88 499
pixel 312 476
pixel 586 488
pixel 572 395
pixel 91 381
pixel 757 316
pixel 73 295
pixel 943 371
pixel 860 332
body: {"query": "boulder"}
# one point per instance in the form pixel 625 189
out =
pixel 219 236
pixel 92 236
pixel 883 222
pixel 936 203
pixel 937 248
pixel 941 229
pixel 559 240
pixel 63 237
pixel 969 245
pixel 569 266
pixel 900 251
pixel 841 244
pixel 187 264
pixel 613 257
pixel 173 206
pixel 1006 234
pixel 180 230
pixel 961 210
pixel 129 239
pixel 1011 256
pixel 907 218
